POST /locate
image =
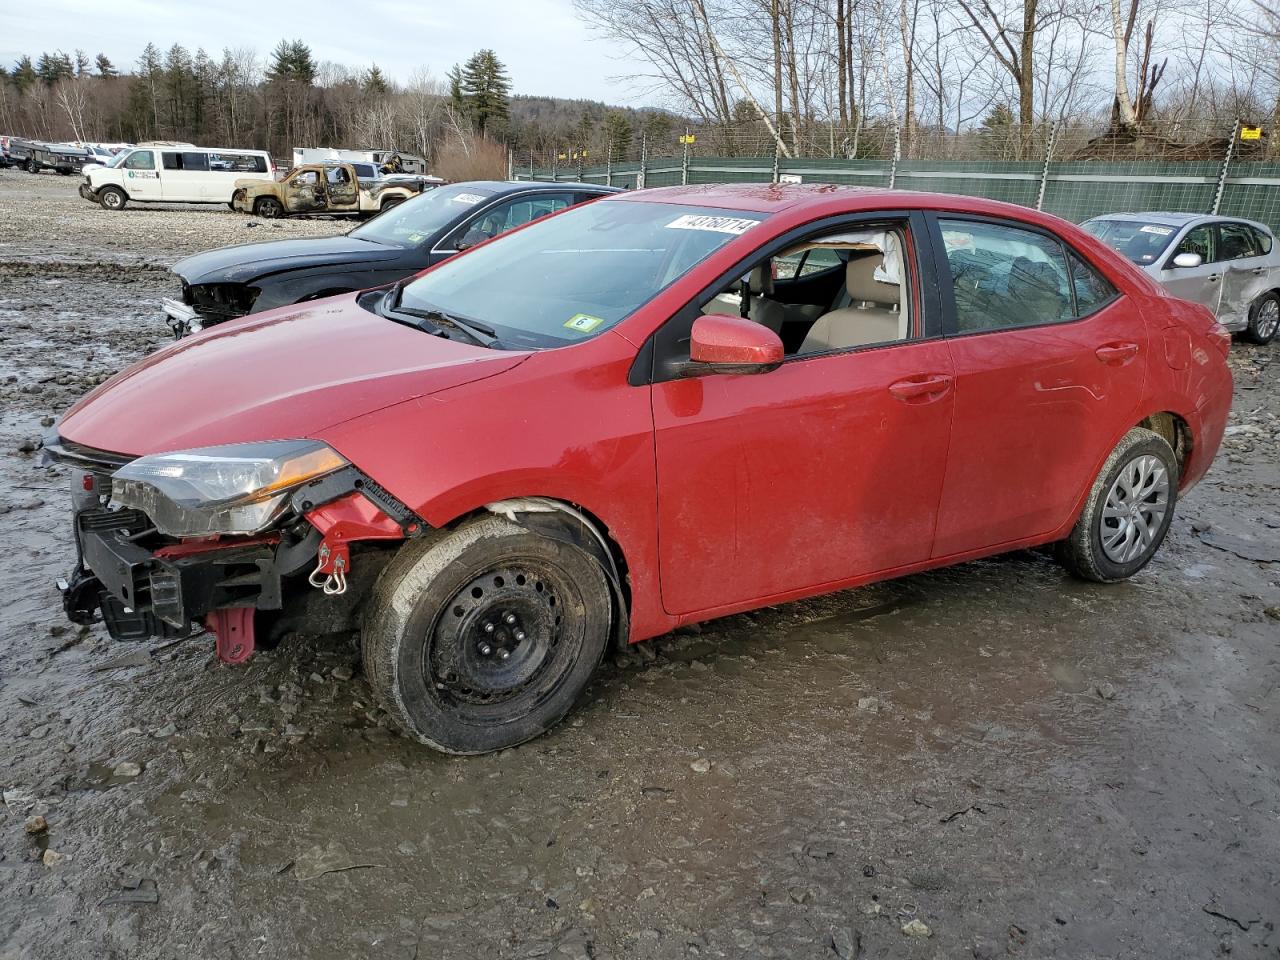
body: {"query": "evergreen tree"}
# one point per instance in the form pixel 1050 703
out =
pixel 375 82
pixel 105 67
pixel 53 67
pixel 455 89
pixel 999 130
pixel 657 130
pixel 486 89
pixel 82 63
pixel 617 129
pixel 292 60
pixel 24 74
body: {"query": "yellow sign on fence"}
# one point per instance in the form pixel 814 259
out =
pixel 1250 133
pixel 689 138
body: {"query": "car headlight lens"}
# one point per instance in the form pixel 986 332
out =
pixel 238 489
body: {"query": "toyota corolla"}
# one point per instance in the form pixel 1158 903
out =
pixel 654 409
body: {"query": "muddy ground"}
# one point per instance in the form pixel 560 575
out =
pixel 1025 764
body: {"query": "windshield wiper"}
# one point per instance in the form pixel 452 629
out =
pixel 481 333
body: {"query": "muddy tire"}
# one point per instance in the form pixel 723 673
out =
pixel 1264 319
pixel 268 208
pixel 483 637
pixel 1128 511
pixel 112 198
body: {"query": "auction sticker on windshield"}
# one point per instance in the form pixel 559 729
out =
pixel 583 322
pixel 471 198
pixel 734 225
pixel 1158 231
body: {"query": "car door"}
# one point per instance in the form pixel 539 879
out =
pixel 304 192
pixel 1049 362
pixel 824 469
pixel 342 189
pixel 142 177
pixel 1246 273
pixel 1202 284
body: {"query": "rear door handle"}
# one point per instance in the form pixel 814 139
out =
pixel 1214 277
pixel 1117 353
pixel 927 387
pixel 1259 271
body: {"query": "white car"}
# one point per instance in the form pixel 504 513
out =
pixel 177 173
pixel 1232 266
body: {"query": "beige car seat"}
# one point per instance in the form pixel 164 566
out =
pixel 872 312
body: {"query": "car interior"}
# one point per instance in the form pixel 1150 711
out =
pixel 832 292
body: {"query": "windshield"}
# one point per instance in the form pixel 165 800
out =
pixel 573 276
pixel 410 223
pixel 1141 242
pixel 118 159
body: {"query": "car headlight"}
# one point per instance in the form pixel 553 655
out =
pixel 240 488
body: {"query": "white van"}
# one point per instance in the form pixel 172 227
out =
pixel 177 173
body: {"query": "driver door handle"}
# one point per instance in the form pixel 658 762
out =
pixel 926 388
pixel 1117 353
pixel 1214 277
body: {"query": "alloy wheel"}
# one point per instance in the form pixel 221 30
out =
pixel 1268 318
pixel 1134 511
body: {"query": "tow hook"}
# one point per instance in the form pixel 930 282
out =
pixel 330 574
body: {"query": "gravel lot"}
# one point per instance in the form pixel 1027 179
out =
pixel 985 761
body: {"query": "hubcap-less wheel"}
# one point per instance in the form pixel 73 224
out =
pixel 1135 509
pixel 269 209
pixel 1268 318
pixel 498 637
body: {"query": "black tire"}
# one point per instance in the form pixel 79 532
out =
pixel 1087 552
pixel 268 208
pixel 65 173
pixel 33 166
pixel 112 198
pixel 389 203
pixel 1264 319
pixel 424 637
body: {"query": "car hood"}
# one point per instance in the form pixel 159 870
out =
pixel 249 261
pixel 283 374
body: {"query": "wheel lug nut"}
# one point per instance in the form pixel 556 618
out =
pixel 504 653
pixel 519 635
pixel 488 627
pixel 510 618
pixel 485 649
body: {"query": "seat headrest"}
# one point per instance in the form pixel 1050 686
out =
pixel 861 283
pixel 761 280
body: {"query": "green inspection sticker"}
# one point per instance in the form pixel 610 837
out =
pixel 583 322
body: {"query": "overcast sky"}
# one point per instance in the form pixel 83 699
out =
pixel 546 48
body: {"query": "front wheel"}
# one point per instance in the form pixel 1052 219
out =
pixel 112 198
pixel 33 166
pixel 1128 512
pixel 484 637
pixel 269 208
pixel 1264 319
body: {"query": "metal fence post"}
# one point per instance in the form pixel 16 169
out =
pixel 555 156
pixel 1044 170
pixel 777 155
pixel 511 164
pixel 684 162
pixel 644 161
pixel 897 155
pixel 531 163
pixel 581 152
pixel 608 163
pixel 1226 164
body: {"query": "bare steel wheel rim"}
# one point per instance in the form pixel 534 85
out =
pixel 1268 318
pixel 1135 509
pixel 113 199
pixel 504 641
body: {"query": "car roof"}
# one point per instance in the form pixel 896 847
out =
pixel 1171 219
pixel 500 187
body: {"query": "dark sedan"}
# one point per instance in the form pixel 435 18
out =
pixel 250 278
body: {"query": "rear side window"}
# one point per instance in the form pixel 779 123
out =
pixel 185 161
pixel 1091 289
pixel 237 162
pixel 1005 277
pixel 1236 241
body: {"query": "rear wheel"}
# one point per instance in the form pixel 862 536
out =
pixel 1128 512
pixel 33 166
pixel 269 208
pixel 112 198
pixel 484 637
pixel 389 203
pixel 1264 319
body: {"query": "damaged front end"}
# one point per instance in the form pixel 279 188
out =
pixel 205 304
pixel 162 549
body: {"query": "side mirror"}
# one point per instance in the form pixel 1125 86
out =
pixel 724 344
pixel 1188 260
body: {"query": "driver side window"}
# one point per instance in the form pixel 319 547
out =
pixel 833 291
pixel 1201 240
pixel 507 216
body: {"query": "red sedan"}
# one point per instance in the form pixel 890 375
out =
pixel 649 410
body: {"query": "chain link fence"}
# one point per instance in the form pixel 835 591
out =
pixel 1075 170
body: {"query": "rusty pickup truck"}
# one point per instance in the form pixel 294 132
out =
pixel 323 188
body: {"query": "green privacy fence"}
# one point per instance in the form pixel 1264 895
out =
pixel 1074 190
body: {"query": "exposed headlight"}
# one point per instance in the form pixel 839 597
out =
pixel 240 488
